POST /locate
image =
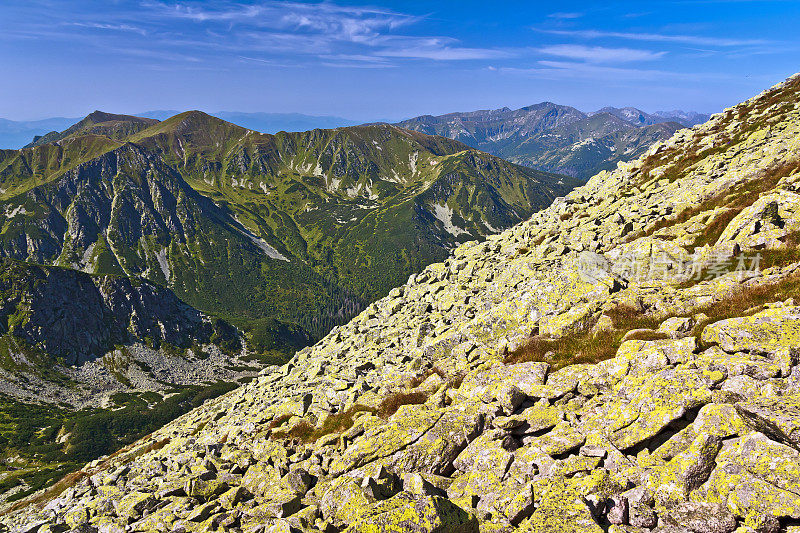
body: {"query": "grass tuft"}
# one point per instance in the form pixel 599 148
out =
pixel 395 401
pixel 415 382
pixel 589 346
pixel 340 422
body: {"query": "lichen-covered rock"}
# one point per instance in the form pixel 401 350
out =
pixel 677 326
pixel 673 482
pixel 436 450
pixel 754 495
pixel 342 499
pixel 702 518
pixel 488 452
pixel 766 332
pixel 660 399
pixel 562 509
pixel 773 462
pixel 777 416
pixel 489 384
pixel 407 513
pixel 406 426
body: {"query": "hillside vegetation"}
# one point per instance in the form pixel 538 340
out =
pixel 300 228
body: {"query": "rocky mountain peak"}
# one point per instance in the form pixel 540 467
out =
pixel 97 116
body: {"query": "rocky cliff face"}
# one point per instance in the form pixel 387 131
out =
pixel 71 338
pixel 76 317
pixel 605 366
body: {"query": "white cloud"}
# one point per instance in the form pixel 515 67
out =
pixel 658 37
pixel 110 27
pixel 343 23
pixel 442 49
pixel 599 54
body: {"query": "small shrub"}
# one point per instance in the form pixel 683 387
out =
pixel 585 347
pixel 278 422
pixel 647 335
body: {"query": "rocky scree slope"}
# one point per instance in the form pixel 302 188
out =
pixel 555 138
pixel 476 397
pixel 303 228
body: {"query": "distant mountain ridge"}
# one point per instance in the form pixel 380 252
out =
pixel 98 123
pixel 17 134
pixel 637 117
pixel 558 138
pixel 268 122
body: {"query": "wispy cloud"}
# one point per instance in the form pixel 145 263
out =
pixel 110 27
pixel 157 54
pixel 659 37
pixel 340 22
pixel 366 36
pixel 437 48
pixel 280 32
pixel 599 54
pixel 565 15
pixel 558 70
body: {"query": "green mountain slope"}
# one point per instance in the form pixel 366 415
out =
pixel 305 228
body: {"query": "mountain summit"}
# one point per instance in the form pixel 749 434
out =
pixel 98 123
pixel 617 362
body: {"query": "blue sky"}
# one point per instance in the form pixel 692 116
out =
pixel 383 60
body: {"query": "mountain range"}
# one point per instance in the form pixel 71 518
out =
pixel 18 134
pixel 625 360
pixel 149 264
pixel 557 138
pixel 303 228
